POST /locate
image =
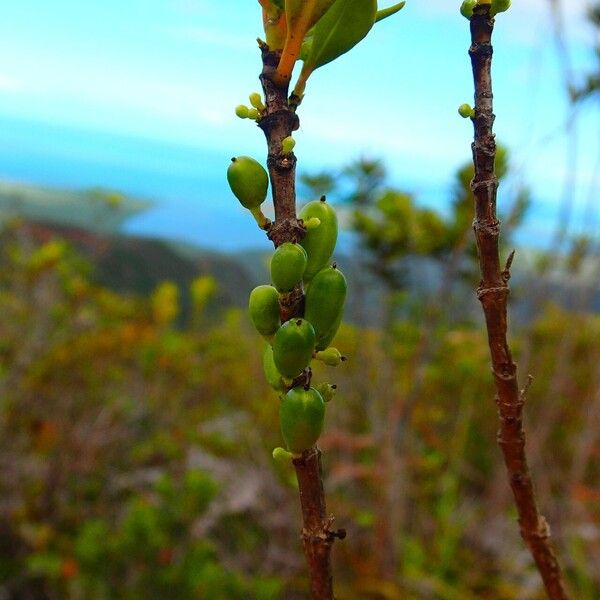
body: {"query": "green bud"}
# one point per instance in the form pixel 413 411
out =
pixel 287 266
pixel 282 456
pixel 256 101
pixel 301 416
pixel 248 180
pixel 319 243
pixel 466 8
pixel 293 347
pixel 499 6
pixel 327 391
pixel 263 306
pixel 311 223
pixel 253 114
pixel 331 357
pixel 242 111
pixel 288 144
pixel 465 111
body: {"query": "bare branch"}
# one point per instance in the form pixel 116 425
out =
pixel 493 293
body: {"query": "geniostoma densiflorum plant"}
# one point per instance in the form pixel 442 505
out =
pixel 315 32
pixel 301 309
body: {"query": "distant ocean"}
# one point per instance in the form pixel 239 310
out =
pixel 191 200
pixel 186 185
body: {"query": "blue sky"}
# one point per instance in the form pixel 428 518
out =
pixel 173 70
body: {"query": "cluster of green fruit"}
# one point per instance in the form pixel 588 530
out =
pixel 293 344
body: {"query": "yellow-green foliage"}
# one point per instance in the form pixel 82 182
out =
pixel 136 452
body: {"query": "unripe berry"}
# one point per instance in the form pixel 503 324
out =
pixel 263 306
pixel 287 266
pixel 301 416
pixel 293 347
pixel 319 243
pixel 272 375
pixel 248 180
pixel 324 304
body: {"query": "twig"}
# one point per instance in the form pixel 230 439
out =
pixel 493 293
pixel 278 121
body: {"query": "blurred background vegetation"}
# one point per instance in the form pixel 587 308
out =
pixel 136 427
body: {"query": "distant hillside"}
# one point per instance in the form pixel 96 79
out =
pixel 96 209
pixel 90 221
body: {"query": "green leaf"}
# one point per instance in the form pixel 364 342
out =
pixel 345 24
pixel 300 15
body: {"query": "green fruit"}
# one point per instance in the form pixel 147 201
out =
pixel 326 340
pixel 331 357
pixel 466 8
pixel 293 347
pixel 319 243
pixel 327 391
pixel 263 307
pixel 248 180
pixel 324 305
pixel 301 416
pixel 272 375
pixel 287 266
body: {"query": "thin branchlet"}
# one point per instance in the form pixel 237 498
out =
pixel 493 294
pixel 278 121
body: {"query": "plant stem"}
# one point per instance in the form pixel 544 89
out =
pixel 493 293
pixel 278 121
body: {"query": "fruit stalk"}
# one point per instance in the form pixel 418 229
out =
pixel 493 294
pixel 278 122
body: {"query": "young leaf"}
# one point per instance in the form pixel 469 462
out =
pixel 345 24
pixel 301 15
pixel 384 13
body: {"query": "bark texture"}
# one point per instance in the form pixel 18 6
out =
pixel 278 121
pixel 493 293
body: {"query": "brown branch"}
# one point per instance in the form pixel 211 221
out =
pixel 278 121
pixel 493 293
